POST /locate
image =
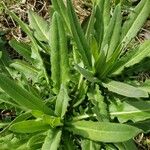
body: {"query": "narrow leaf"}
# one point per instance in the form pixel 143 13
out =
pixel 59 53
pixel 125 89
pixel 62 102
pixel 97 99
pixel 87 74
pixel 52 140
pixel 130 110
pixel 103 132
pixel 29 126
pixel 135 21
pixel 22 96
pixel 133 57
pixel 22 48
pixel 39 25
pixel 78 35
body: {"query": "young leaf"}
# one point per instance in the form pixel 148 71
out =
pixel 60 7
pixel 100 106
pixel 79 38
pixel 62 102
pixel 128 145
pixel 39 25
pixel 135 21
pixel 22 96
pixel 132 58
pixel 103 132
pixel 110 41
pixel 87 74
pixel 34 46
pixel 104 6
pixel 25 68
pixel 124 89
pixel 130 110
pixel 112 35
pixel 51 120
pixel 29 126
pixel 52 140
pixel 36 140
pixel 22 48
pixel 59 53
pixel 144 125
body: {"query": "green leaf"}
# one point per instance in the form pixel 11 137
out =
pixel 25 68
pixel 89 145
pixel 36 140
pixel 39 25
pixel 22 96
pixel 86 73
pixel 22 48
pixel 52 140
pixel 68 142
pixel 59 53
pixel 133 57
pixel 130 110
pixel 79 38
pixel 19 118
pixel 62 102
pixel 103 132
pixel 0 54
pixel 104 6
pixel 60 7
pixel 110 41
pixel 112 34
pixel 128 145
pixel 51 120
pixel 100 108
pixel 144 125
pixel 29 126
pixel 124 89
pixel 34 46
pixel 99 25
pixel 135 21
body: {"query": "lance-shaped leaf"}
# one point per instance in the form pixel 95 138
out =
pixel 79 37
pixel 62 102
pixel 112 35
pixel 25 68
pixel 110 41
pixel 135 21
pixel 22 96
pixel 144 125
pixel 103 132
pixel 35 140
pixel 22 48
pixel 60 7
pixel 133 57
pixel 99 25
pixel 52 140
pixel 125 89
pixel 130 110
pixel 59 53
pixel 87 74
pixel 51 120
pixel 34 46
pixel 39 25
pixel 97 99
pixel 128 145
pixel 29 126
pixel 104 6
